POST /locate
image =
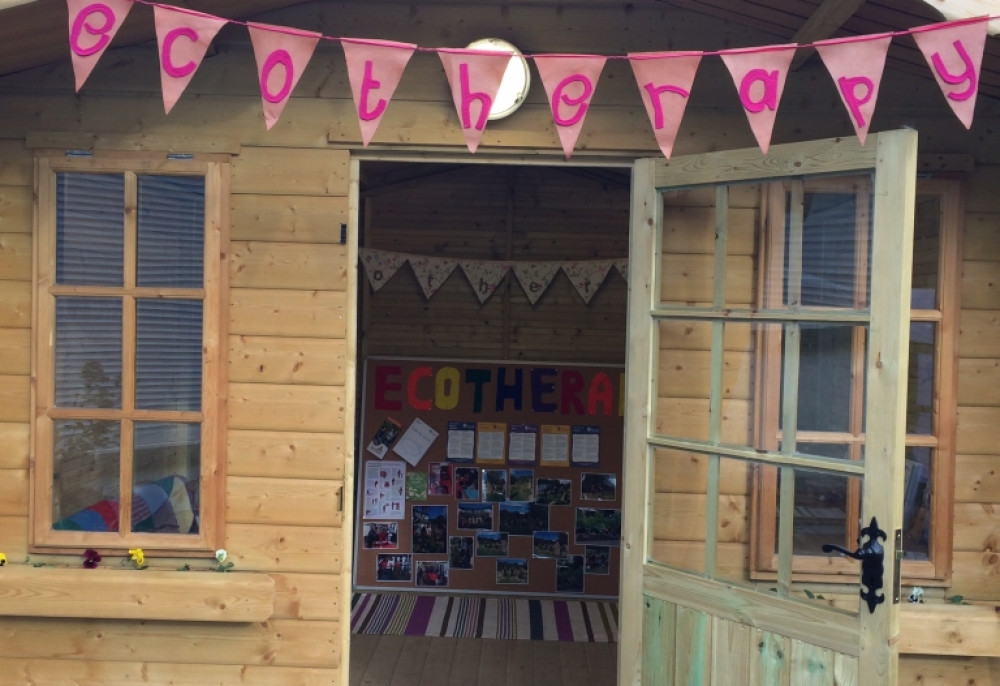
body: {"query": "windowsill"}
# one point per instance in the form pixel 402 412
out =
pixel 135 594
pixel 947 629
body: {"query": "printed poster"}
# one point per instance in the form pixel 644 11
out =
pixel 461 441
pixel 385 490
pixel 415 442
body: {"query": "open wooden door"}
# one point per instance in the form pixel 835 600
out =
pixel 767 361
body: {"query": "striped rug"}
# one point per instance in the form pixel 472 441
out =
pixel 411 614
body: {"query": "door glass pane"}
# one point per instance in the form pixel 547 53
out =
pixel 926 252
pixel 168 354
pixel 920 384
pixel 823 511
pixel 85 481
pixel 171 221
pixel 88 352
pixel 690 226
pixel 90 229
pixel 166 467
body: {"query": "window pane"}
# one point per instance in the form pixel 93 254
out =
pixel 88 352
pixel 90 225
pixel 921 382
pixel 168 354
pixel 166 469
pixel 917 503
pixel 827 389
pixel 824 504
pixel 171 231
pixel 85 475
pixel 831 235
pixel 926 252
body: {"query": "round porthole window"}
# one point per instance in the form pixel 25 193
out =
pixel 516 80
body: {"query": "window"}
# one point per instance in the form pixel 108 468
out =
pixel 129 437
pixel 834 249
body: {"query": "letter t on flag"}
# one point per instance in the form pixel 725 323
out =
pixel 759 75
pixel 474 77
pixel 374 68
pixel 183 39
pixel 92 25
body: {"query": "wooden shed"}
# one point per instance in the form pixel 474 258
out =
pixel 809 336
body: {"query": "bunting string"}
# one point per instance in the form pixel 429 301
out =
pixel 953 51
pixel 485 276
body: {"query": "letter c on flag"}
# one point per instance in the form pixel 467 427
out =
pixel 168 44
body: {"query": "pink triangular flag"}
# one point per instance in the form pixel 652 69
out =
pixel 431 272
pixel 664 80
pixel 759 75
pixel 856 65
pixel 587 276
pixel 954 50
pixel 366 60
pixel 183 38
pixel 569 82
pixel 282 55
pixel 380 265
pixel 92 26
pixel 474 77
pixel 484 276
pixel 535 277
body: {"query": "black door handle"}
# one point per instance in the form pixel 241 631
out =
pixel 871 554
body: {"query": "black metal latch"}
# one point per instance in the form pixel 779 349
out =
pixel 871 555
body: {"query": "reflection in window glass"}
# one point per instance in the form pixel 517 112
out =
pixel 920 384
pixel 88 352
pixel 85 479
pixel 826 376
pixel 917 503
pixel 166 463
pixel 926 252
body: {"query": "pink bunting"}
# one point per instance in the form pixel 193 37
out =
pixel 664 80
pixel 474 77
pixel 569 82
pixel 954 52
pixel 856 65
pixel 282 55
pixel 366 60
pixel 92 26
pixel 759 75
pixel 182 39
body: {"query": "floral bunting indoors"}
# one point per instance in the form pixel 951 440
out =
pixel 485 276
pixel 953 50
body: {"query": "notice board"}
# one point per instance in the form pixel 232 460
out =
pixel 491 477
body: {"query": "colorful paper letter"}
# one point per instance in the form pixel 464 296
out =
pixel 183 39
pixel 374 68
pixel 759 75
pixel 664 80
pixel 569 82
pixel 282 55
pixel 92 25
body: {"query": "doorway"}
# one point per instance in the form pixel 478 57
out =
pixel 491 213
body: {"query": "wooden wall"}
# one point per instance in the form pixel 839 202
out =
pixel 290 359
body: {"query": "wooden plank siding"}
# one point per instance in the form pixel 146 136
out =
pixel 289 312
